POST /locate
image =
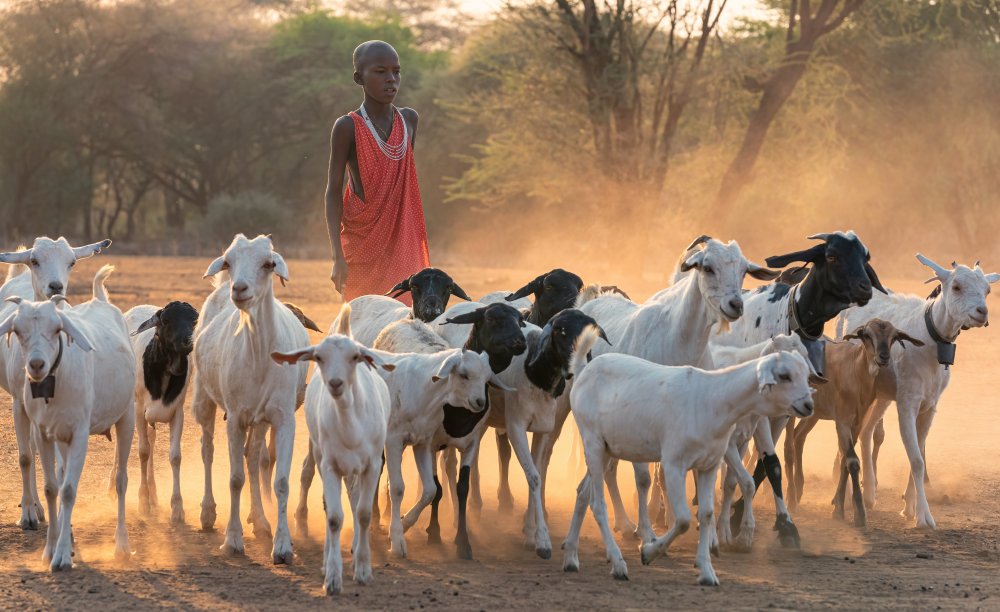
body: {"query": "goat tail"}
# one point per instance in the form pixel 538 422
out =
pixel 581 352
pixel 100 291
pixel 18 269
pixel 589 293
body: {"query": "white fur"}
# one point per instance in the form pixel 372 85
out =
pixel 233 369
pixel 370 314
pixel 34 275
pixel 93 392
pixel 683 417
pixel 347 411
pixel 920 379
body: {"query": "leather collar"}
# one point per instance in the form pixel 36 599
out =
pixel 794 323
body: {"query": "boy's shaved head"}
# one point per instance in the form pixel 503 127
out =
pixel 367 50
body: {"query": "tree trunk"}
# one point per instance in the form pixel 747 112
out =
pixel 777 90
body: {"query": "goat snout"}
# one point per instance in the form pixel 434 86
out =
pixel 805 409
pixel 36 367
pixel 480 404
pixel 735 307
pixel 336 386
pixel 982 315
pixel 239 291
pixel 55 288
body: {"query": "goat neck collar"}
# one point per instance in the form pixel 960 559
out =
pixel 46 389
pixel 945 347
pixel 795 323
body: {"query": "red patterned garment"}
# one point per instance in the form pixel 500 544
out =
pixel 384 236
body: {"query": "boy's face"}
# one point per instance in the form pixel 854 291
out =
pixel 379 74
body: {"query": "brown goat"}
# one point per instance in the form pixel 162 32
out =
pixel 852 369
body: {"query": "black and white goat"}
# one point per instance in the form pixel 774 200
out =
pixel 429 290
pixel 841 275
pixel 162 340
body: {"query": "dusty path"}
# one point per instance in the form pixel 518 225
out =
pixel 838 565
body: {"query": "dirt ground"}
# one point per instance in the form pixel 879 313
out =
pixel 888 565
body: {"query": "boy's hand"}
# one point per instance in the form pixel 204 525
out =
pixel 339 274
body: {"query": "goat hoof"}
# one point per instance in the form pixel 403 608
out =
pixel 544 553
pixel 715 551
pixel 708 581
pixel 837 514
pixel 28 524
pixel 333 589
pixel 208 518
pixel 464 550
pixel 860 522
pixel 788 533
pixel 284 558
pixel 434 535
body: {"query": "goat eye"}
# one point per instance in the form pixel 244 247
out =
pixel 72 263
pixel 784 378
pixel 34 262
pixel 708 270
pixel 956 289
pixel 269 265
pixel 831 258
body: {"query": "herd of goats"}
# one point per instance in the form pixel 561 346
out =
pixel 683 381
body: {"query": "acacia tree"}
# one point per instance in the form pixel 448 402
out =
pixel 640 63
pixel 804 29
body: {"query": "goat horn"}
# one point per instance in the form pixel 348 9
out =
pixel 824 236
pixel 699 240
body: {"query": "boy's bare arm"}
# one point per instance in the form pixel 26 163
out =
pixel 341 142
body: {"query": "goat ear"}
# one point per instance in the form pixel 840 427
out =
pixel 401 287
pixel 459 292
pixel 765 375
pixel 901 337
pixel 813 255
pixel 301 316
pixel 693 262
pixel 870 271
pixel 992 278
pixel 74 333
pixel 376 361
pixel 280 268
pixel 307 354
pixel 216 266
pixel 91 249
pixel 7 327
pixel 614 289
pixel 449 364
pixel 16 257
pixel 601 334
pixel 534 286
pixel 542 343
pixel 468 318
pixel 816 379
pixel 858 334
pixel 14 299
pixel 151 322
pixel 499 384
pixel 342 325
pixel 762 273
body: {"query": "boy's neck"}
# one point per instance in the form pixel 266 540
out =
pixel 377 110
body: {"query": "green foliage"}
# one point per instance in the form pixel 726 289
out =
pixel 249 213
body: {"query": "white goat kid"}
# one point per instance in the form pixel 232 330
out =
pixel 347 412
pixel 233 369
pixel 73 390
pixel 673 327
pixel 921 373
pixel 683 417
pixel 36 274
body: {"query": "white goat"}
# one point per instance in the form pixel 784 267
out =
pixel 233 369
pixel 683 417
pixel 347 412
pixel 73 390
pixel 921 372
pixel 36 274
pixel 673 327
pixel 162 341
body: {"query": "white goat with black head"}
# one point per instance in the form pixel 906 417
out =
pixel 841 275
pixel 78 377
pixel 429 290
pixel 162 340
pixel 347 412
pixel 921 372
pixel 234 370
pixel 36 274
